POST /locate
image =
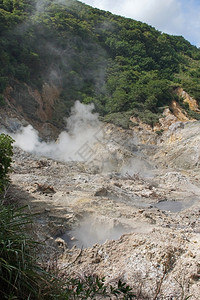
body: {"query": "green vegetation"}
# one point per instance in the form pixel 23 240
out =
pixel 19 273
pixel 93 287
pixel 5 159
pixel 120 119
pixel 93 56
pixel 185 106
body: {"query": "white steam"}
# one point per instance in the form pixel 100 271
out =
pixel 94 230
pixel 27 139
pixel 85 139
pixel 137 165
pixel 74 144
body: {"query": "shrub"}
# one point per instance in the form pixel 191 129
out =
pixel 94 287
pixel 147 116
pixel 119 119
pixel 6 152
pixel 2 101
pixel 19 273
pixel 159 132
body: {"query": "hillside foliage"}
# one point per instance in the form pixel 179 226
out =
pixel 120 64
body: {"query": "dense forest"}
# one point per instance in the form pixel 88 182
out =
pixel 121 65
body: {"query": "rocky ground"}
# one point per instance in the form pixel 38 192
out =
pixel 130 212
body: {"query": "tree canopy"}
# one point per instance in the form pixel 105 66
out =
pixel 94 56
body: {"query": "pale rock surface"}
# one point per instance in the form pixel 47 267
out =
pixel 138 224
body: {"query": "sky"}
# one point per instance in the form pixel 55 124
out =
pixel 177 17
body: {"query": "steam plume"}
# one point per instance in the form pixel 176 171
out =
pixel 72 144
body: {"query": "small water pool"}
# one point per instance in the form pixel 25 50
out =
pixel 173 206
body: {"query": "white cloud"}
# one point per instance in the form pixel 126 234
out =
pixel 178 17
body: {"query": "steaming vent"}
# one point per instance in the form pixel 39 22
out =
pixel 93 231
pixel 86 140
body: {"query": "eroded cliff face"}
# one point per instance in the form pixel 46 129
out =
pixel 45 111
pixel 191 101
pixel 26 105
pixel 180 146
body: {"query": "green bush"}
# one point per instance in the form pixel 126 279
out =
pixel 19 273
pixel 6 152
pixel 93 287
pixel 119 119
pixel 147 116
pixel 2 101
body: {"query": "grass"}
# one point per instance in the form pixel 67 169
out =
pixel 20 275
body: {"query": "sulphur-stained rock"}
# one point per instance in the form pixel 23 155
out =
pixel 26 105
pixel 45 188
pixel 178 112
pixel 31 103
pixel 42 163
pixel 137 220
pixel 188 99
pixel 181 148
pixel 175 126
pixel 167 120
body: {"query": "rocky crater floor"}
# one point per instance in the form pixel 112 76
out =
pixel 134 217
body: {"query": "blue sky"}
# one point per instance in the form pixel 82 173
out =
pixel 178 17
